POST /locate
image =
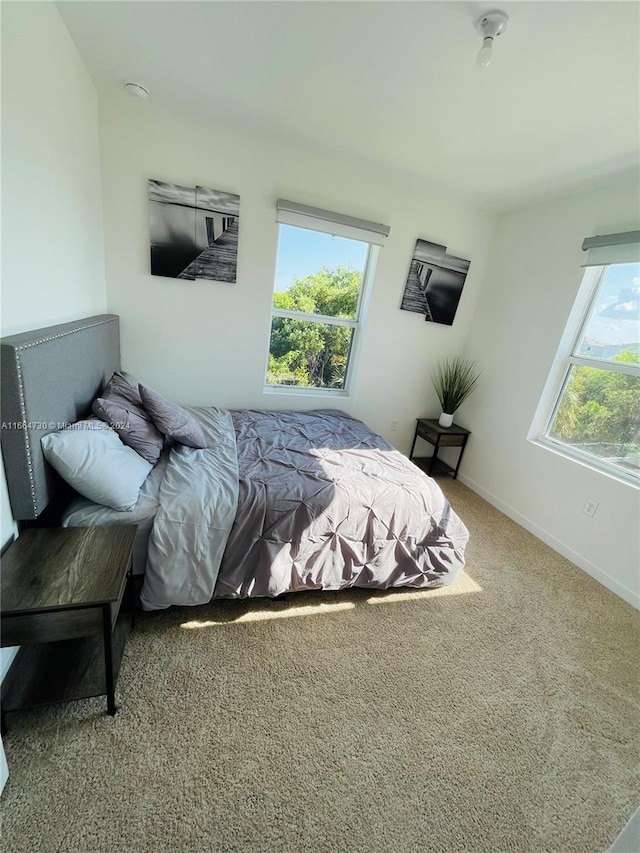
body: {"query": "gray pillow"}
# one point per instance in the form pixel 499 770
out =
pixel 124 387
pixel 120 406
pixel 92 459
pixel 171 419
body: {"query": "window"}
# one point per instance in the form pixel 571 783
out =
pixel 595 414
pixel 326 263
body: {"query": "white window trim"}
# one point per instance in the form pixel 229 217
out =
pixel 603 364
pixel 552 394
pixel 587 460
pixel 315 318
pixel 352 229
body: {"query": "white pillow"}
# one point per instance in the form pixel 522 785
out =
pixel 90 457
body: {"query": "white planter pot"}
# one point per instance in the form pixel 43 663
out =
pixel 445 419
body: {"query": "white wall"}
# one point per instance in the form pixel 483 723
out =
pixel 531 284
pixel 205 343
pixel 52 233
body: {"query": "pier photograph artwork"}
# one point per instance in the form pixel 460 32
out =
pixel 193 232
pixel 434 283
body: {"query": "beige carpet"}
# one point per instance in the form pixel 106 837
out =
pixel 499 714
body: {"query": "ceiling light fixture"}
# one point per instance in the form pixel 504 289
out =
pixel 137 90
pixel 490 26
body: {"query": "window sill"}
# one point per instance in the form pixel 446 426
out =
pixel 593 464
pixel 297 391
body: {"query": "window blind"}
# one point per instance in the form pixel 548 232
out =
pixel 605 249
pixel 336 224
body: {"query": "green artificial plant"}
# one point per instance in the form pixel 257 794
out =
pixel 454 379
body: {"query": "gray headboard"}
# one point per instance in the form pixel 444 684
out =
pixel 49 379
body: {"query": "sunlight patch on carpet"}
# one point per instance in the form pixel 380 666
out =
pixel 462 586
pixel 265 615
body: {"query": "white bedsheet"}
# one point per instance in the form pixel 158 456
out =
pixel 82 512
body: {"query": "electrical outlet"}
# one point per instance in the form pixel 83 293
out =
pixel 394 426
pixel 590 507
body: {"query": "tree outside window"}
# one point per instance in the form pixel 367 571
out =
pixel 597 412
pixel 317 309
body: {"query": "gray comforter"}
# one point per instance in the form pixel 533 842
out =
pixel 284 501
pixel 325 503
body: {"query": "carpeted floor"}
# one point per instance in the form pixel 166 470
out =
pixel 499 714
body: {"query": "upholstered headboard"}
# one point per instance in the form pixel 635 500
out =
pixel 49 378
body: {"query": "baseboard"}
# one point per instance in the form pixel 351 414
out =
pixel 628 595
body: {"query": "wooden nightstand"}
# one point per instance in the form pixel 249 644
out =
pixel 62 591
pixel 431 431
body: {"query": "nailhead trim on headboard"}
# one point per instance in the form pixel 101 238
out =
pixel 63 334
pixel 23 410
pixel 24 368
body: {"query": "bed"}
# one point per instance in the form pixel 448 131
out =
pixel 275 502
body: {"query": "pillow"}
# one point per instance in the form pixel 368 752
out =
pixel 120 406
pixel 171 419
pixel 124 387
pixel 136 431
pixel 91 458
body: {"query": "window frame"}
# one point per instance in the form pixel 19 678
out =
pixel 567 358
pixel 356 323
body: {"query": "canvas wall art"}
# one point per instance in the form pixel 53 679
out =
pixel 193 232
pixel 434 283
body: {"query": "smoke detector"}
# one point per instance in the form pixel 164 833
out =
pixel 137 90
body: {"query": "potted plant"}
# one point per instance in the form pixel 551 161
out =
pixel 453 380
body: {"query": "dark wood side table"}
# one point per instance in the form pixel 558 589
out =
pixel 62 601
pixel 431 431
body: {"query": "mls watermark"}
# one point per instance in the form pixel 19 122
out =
pixel 55 425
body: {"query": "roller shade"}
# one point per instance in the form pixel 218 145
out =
pixel 612 249
pixel 302 216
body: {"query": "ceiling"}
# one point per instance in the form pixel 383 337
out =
pixel 394 83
